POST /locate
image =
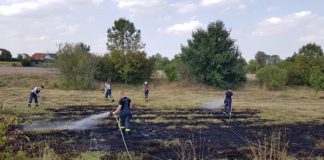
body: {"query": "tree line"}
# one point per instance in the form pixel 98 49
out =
pixel 304 68
pixel 210 57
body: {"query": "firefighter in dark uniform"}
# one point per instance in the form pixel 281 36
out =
pixel 125 114
pixel 228 101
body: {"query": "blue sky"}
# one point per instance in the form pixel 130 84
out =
pixel 274 26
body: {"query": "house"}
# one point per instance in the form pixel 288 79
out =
pixel 39 56
pixel 50 56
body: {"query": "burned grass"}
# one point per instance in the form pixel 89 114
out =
pixel 164 134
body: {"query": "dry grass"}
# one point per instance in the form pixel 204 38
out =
pixel 270 148
pixel 290 106
pixel 5 70
pixel 9 64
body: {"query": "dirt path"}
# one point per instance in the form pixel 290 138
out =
pixel 154 134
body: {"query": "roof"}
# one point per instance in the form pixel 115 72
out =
pixel 39 55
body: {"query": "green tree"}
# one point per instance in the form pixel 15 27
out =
pixel 77 66
pixel 252 66
pixel 272 77
pixel 261 59
pixel 160 62
pixel 19 57
pixel 105 69
pixel 213 58
pixel 127 52
pixel 5 55
pixel 273 59
pixel 123 36
pixel 317 79
pixel 311 50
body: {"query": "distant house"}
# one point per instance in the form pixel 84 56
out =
pixel 39 56
pixel 50 56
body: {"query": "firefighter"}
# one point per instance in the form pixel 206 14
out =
pixel 34 94
pixel 228 102
pixel 125 114
pixel 107 90
pixel 146 91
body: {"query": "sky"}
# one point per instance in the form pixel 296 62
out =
pixel 274 26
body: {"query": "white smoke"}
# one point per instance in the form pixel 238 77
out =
pixel 77 125
pixel 213 105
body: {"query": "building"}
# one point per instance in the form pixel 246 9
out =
pixel 39 56
pixel 50 56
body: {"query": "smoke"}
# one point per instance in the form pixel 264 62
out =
pixel 77 125
pixel 213 105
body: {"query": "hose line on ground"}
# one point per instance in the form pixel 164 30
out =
pixel 122 134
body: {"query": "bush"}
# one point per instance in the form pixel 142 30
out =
pixel 272 77
pixel 77 66
pixel 316 79
pixel 25 62
pixel 105 69
pixel 171 72
pixel 132 67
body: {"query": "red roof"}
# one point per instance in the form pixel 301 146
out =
pixel 39 55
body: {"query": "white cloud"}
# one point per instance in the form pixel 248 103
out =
pixel 219 2
pixel 273 20
pixel 185 7
pixel 184 27
pixel 280 25
pixel 140 5
pixel 11 8
pixel 242 6
pixel 303 13
pixel 212 2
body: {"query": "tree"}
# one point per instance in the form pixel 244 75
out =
pixel 213 58
pixel 123 36
pixel 311 50
pixel 160 62
pixel 19 57
pixel 273 59
pixel 127 51
pixel 252 66
pixel 5 55
pixel 261 59
pixel 77 66
pixel 272 77
pixel 316 79
pixel 105 69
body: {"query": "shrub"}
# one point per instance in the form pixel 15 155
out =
pixel 77 66
pixel 316 79
pixel 272 77
pixel 25 62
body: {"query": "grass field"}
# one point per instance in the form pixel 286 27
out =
pixel 9 64
pixel 274 107
pixel 174 106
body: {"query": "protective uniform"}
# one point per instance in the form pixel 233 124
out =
pixel 228 101
pixel 125 114
pixel 34 95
